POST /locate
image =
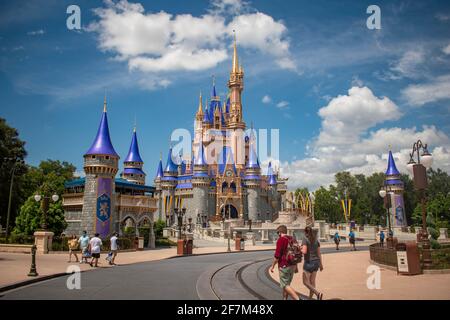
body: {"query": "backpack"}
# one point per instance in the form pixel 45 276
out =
pixel 293 252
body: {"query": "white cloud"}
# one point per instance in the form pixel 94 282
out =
pixel 420 94
pixel 261 31
pixel 446 49
pixel 233 7
pixel 347 116
pixel 409 64
pixel 443 17
pixel 162 42
pixel 36 32
pixel 345 144
pixel 266 99
pixel 282 104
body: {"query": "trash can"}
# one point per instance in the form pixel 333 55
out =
pixel 242 244
pixel 180 247
pixel 140 243
pixel 237 244
pixel 408 259
pixel 188 244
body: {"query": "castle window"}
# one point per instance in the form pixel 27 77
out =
pixel 107 157
pixel 93 157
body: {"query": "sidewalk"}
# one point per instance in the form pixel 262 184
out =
pixel 345 277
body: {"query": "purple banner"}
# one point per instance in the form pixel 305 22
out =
pixel 398 216
pixel 103 209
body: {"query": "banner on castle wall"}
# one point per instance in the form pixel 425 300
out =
pixel 103 210
pixel 398 216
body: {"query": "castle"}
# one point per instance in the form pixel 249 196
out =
pixel 223 179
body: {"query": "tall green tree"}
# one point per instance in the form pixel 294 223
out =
pixel 12 151
pixel 326 206
pixel 46 179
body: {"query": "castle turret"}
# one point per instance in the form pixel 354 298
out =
pixel 133 163
pixel 158 191
pixel 252 182
pixel 395 189
pixel 200 185
pixel 101 166
pixel 236 85
pixel 168 184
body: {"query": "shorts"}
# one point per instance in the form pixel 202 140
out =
pixel 311 266
pixel 286 276
pixel 96 255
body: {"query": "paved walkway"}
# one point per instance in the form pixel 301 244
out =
pixel 345 277
pixel 14 267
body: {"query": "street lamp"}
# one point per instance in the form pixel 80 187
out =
pixel 45 202
pixel 385 193
pixel 419 170
pixel 180 214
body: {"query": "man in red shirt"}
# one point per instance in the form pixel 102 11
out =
pixel 286 270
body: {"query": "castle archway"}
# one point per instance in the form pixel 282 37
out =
pixel 229 211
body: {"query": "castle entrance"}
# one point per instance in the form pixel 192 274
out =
pixel 229 212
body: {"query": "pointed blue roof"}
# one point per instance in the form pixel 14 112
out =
pixel 159 173
pixel 102 142
pixel 200 159
pixel 206 115
pixel 391 169
pixel 133 153
pixel 170 165
pixel 271 176
pixel 253 161
pixel 226 157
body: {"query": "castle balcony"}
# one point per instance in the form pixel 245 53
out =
pixel 72 199
pixel 136 203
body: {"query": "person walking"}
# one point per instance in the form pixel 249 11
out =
pixel 312 262
pixel 381 238
pixel 84 244
pixel 95 245
pixel 351 237
pixel 73 247
pixel 337 239
pixel 114 248
pixel 286 271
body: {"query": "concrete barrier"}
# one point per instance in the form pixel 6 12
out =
pixel 15 248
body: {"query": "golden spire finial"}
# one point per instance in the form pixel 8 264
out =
pixel 160 155
pixel 134 127
pixel 200 104
pixel 104 102
pixel 235 68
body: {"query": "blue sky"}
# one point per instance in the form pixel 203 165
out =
pixel 339 93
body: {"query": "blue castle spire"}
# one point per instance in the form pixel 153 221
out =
pixel 253 162
pixel 170 165
pixel 271 180
pixel 133 153
pixel 102 142
pixel 392 168
pixel 200 159
pixel 159 172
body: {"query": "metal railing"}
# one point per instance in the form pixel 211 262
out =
pixel 383 255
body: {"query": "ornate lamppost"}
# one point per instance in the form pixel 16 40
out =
pixel 419 170
pixel 45 205
pixel 385 193
pixel 180 214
